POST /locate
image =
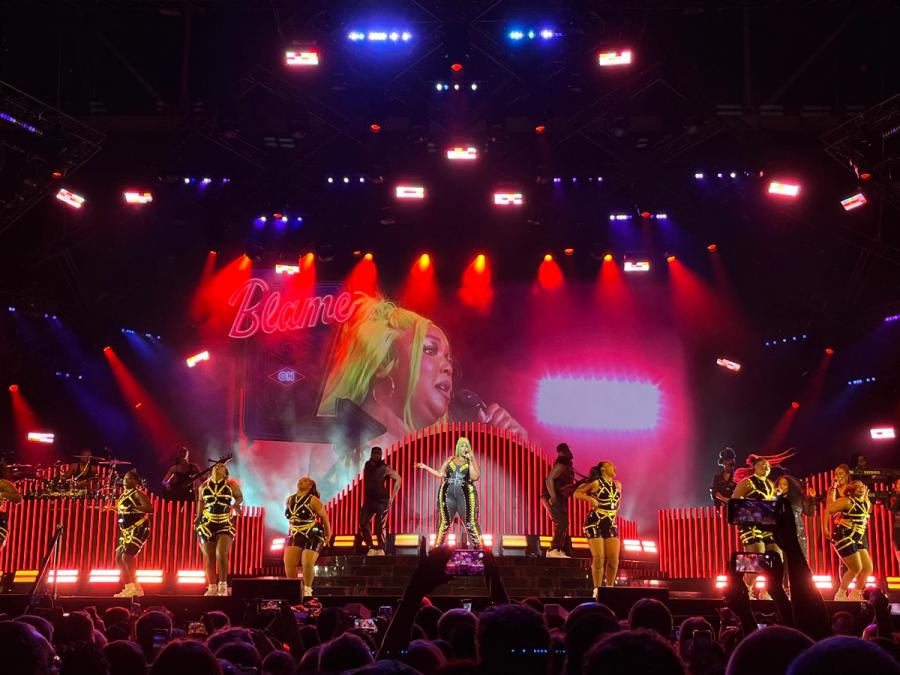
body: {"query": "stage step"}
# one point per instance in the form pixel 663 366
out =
pixel 388 576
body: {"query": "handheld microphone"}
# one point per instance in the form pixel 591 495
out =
pixel 470 398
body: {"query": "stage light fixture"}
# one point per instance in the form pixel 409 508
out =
pixel 192 361
pixel 620 216
pixel 14 388
pixel 196 577
pixel 101 576
pixel 149 577
pixel 70 198
pixel 637 266
pixel 508 199
pixel 375 128
pixel 301 57
pixel 287 269
pixel 887 319
pixel 712 248
pixel 474 86
pixel 138 197
pixel 614 58
pixel 379 36
pixel 21 124
pixel 480 263
pixel 728 364
pixel 540 128
pixel 829 351
pixel 854 201
pixel 424 262
pixel 784 189
pixel 608 257
pixel 45 437
pixel 456 67
pixel 569 251
pixel 698 176
pixel 466 153
pixel 548 257
pixel 670 258
pixel 368 256
pixel 732 175
pixel 795 405
pixel 882 433
pixel 521 35
pixel 861 380
pixel 409 192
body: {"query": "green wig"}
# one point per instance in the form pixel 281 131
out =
pixel 365 352
pixel 460 442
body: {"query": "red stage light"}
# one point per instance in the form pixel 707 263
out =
pixel 548 257
pixel 14 388
pixel 784 189
pixel 712 248
pixel 298 57
pixel 375 128
pixel 569 251
pixel 865 175
pixel 56 174
pixel 480 263
pixel 368 256
pixel 854 201
pixel 192 361
pixel 540 128
pixel 645 214
pixel 424 261
pixel 608 257
pixel 795 405
pixel 456 67
pixel 614 58
pixel 549 274
pixel 107 350
pixel 829 351
pixel 357 253
pixel 670 258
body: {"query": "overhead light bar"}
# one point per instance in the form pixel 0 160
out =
pixel 887 319
pixel 614 58
pixel 522 35
pixel 379 36
pixel 192 361
pixel 409 192
pixel 784 189
pixel 301 57
pixel 138 197
pixel 637 266
pixel 854 202
pixel 729 365
pixel 464 153
pixel 45 437
pixel 508 199
pixel 21 123
pixel 287 269
pixel 70 198
pixel 620 216
pixel 882 433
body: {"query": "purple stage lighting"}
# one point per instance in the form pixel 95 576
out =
pixel 598 403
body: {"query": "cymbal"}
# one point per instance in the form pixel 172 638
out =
pixel 92 457
pixel 19 466
pixel 114 462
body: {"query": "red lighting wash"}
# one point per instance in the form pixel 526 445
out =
pixel 508 199
pixel 477 289
pixel 550 276
pixel 784 189
pixel 614 58
pixel 301 57
pixel 854 202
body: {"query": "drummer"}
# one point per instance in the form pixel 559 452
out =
pixel 83 471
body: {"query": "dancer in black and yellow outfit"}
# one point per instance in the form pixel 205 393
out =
pixel 757 486
pixel 848 536
pixel 8 493
pixel 310 530
pixel 457 495
pixel 133 508
pixel 218 502
pixel 604 493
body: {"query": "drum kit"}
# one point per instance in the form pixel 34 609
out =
pixel 54 481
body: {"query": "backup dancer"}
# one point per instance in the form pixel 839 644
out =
pixel 309 531
pixel 604 493
pixel 133 508
pixel 218 503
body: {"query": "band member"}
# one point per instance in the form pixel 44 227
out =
pixel 178 483
pixel 604 493
pixel 848 536
pixel 757 486
pixel 8 493
pixel 218 503
pixel 895 516
pixel 377 500
pixel 723 483
pixel 457 495
pixel 134 509
pixel 859 466
pixel 83 471
pixel 310 530
pixel 558 487
pixel 802 504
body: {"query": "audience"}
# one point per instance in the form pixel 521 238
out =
pixel 344 653
pixel 125 658
pixel 512 639
pixel 633 652
pixel 780 644
pixel 653 615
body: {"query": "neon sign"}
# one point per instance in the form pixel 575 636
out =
pixel 264 309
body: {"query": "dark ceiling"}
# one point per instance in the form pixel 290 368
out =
pixel 141 94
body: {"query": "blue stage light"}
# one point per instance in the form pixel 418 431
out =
pixel 379 36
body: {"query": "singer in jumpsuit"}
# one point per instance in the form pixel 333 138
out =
pixel 457 495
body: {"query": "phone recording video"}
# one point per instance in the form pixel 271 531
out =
pixel 757 512
pixel 385 611
pixel 269 605
pixel 466 605
pixel 367 625
pixel 752 563
pixel 160 638
pixel 464 563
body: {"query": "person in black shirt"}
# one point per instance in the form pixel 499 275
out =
pixel 723 483
pixel 376 500
pixel 558 487
pixel 178 482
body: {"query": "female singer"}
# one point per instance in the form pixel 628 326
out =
pixel 848 536
pixel 218 503
pixel 457 495
pixel 8 493
pixel 134 509
pixel 604 493
pixel 310 529
pixel 756 486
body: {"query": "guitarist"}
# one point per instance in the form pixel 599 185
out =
pixel 558 487
pixel 179 480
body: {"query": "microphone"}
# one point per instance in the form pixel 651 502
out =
pixel 470 398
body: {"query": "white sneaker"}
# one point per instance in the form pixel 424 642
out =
pixel 137 591
pixel 562 554
pixel 841 594
pixel 553 553
pixel 222 588
pixel 211 591
pixel 127 592
pixel 307 591
pixel 379 551
pixel 372 552
pixel 856 595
